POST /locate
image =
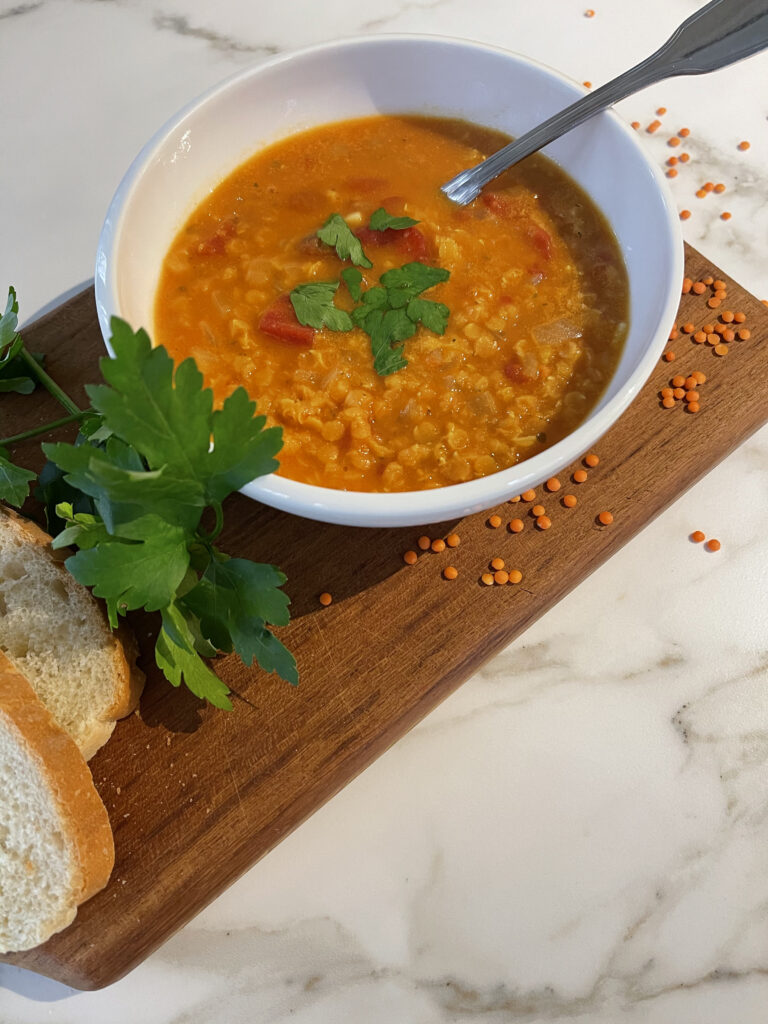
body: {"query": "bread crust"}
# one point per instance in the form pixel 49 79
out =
pixel 128 678
pixel 84 817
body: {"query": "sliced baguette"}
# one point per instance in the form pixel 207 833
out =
pixel 56 634
pixel 56 847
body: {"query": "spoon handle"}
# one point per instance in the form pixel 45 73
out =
pixel 719 34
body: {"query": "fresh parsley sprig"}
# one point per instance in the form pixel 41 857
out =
pixel 389 312
pixel 152 456
pixel 340 236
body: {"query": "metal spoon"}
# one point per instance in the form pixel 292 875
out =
pixel 718 35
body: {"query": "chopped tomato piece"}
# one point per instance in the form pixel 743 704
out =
pixel 541 239
pixel 496 203
pixel 413 244
pixel 410 241
pixel 279 321
pixel 216 245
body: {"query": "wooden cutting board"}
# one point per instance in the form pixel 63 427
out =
pixel 196 796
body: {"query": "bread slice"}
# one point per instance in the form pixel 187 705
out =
pixel 56 847
pixel 57 635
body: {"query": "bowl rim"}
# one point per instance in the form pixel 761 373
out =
pixel 409 508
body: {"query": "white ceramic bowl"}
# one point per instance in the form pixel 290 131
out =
pixel 394 74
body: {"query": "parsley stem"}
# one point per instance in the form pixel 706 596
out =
pixel 49 383
pixel 74 418
pixel 208 538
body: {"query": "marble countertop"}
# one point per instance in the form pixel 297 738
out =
pixel 581 832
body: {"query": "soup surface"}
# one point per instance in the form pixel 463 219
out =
pixel 537 303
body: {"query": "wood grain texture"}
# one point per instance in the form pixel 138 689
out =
pixel 196 796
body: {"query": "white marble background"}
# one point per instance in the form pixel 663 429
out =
pixel 581 832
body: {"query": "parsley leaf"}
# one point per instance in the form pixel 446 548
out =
pixel 352 278
pixel 434 315
pixel 141 568
pixel 313 305
pixel 10 339
pixel 390 314
pixel 382 221
pixel 338 234
pixel 232 601
pixel 405 283
pixel 178 659
pixel 14 481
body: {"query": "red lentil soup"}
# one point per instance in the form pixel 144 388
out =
pixel 538 300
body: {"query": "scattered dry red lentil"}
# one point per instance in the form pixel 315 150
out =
pixel 697 536
pixel 661 111
pixel 725 215
pixel 543 522
pixel 684 133
pixel 423 543
pixel 589 13
pixel 516 526
pixel 713 545
pixel 570 500
pixel 487 579
pixel 713 339
pixel 580 476
pixel 410 558
pixel 453 540
pixel 744 334
pixel 635 125
pixel 538 510
pixel 325 599
pixel 729 335
pixel 674 334
pixel 744 145
pixel 494 522
pixel 685 214
pixel 606 518
pixel 678 381
pixel 714 302
pixel 692 407
pixel 672 173
pixel 688 328
pixel 718 285
pixel 699 288
pixel 690 383
pixel 587 85
pixel 515 576
pixel 514 501
pixel 672 162
pixel 739 317
pixel 669 357
pixel 727 316
pixel 497 563
pixel 700 193
pixel 720 350
pixel 653 127
pixel 678 393
pixel 720 187
pixel 708 280
pixel 529 495
pixel 709 186
pixel 692 396
pixel 687 282
pixel 501 577
pixel 591 460
pixel 674 141
pixel 438 546
pixel 701 378
pixel 668 403
pixel 450 572
pixel 699 337
pixel 764 302
pixel 666 393
pixel 553 484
